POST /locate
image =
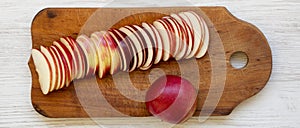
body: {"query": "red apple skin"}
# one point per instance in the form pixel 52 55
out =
pixel 172 99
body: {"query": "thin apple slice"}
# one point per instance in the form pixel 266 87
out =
pixel 133 49
pixel 205 36
pixel 70 47
pixel 82 61
pixel 64 68
pixel 128 48
pixel 94 54
pixel 59 66
pixel 182 41
pixel 79 65
pixel 196 27
pixel 43 69
pixel 58 81
pixel 204 48
pixel 52 63
pixel 173 32
pixel 189 25
pixel 89 52
pixel 166 39
pixel 138 53
pixel 67 58
pixel 202 34
pixel 159 45
pixel 114 54
pixel 123 48
pixel 142 54
pixel 179 35
pixel 148 47
pixel 103 53
pixel 156 42
pixel 142 41
pixel 188 37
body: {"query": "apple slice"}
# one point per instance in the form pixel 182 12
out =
pixel 180 42
pixel 94 54
pixel 133 49
pixel 64 68
pixel 148 47
pixel 138 53
pixel 142 53
pixel 78 57
pixel 196 27
pixel 156 42
pixel 204 48
pixel 89 52
pixel 59 66
pixel 43 69
pixel 114 54
pixel 189 24
pixel 58 81
pixel 159 45
pixel 70 47
pixel 129 50
pixel 188 33
pixel 142 41
pixel 166 39
pixel 173 32
pixel 201 34
pixel 67 58
pixel 183 45
pixel 125 53
pixel 102 52
pixel 205 36
pixel 52 63
pixel 82 61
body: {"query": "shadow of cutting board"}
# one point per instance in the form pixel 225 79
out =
pixel 218 80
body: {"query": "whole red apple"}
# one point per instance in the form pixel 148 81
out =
pixel 172 99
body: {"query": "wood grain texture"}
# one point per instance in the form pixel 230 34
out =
pixel 81 99
pixel 275 107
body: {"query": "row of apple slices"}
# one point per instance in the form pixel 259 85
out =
pixel 180 36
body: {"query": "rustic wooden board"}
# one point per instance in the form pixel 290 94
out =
pixel 84 99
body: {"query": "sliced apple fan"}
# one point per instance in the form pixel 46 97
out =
pixel 179 36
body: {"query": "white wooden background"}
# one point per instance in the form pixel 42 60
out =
pixel 277 106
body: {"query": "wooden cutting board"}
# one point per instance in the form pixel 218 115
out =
pixel 221 87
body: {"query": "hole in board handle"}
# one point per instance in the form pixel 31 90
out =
pixel 239 60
